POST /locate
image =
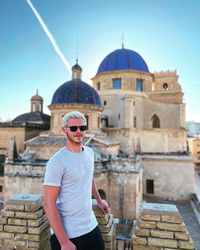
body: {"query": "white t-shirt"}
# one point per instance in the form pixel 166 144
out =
pixel 73 172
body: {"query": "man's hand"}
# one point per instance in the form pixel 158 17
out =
pixel 69 246
pixel 103 206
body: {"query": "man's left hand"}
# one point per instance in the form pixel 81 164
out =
pixel 103 206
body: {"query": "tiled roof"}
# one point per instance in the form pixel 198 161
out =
pixel 33 117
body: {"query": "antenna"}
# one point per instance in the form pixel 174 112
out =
pixel 76 57
pixel 122 40
pixel 76 48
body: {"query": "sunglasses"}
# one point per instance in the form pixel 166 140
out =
pixel 74 128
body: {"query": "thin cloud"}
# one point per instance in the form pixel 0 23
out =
pixel 48 33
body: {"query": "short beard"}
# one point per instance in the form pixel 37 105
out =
pixel 71 140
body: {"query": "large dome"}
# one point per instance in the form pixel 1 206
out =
pixel 121 59
pixel 76 91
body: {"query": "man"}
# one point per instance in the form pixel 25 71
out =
pixel 68 187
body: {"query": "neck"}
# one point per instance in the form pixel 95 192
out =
pixel 74 148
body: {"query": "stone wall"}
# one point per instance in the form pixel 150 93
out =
pixel 7 132
pixel 23 178
pixel 122 185
pixel 160 227
pixel 172 175
pixel 149 140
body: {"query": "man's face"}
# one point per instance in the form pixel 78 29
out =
pixel 77 136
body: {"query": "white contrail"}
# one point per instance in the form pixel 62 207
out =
pixel 49 36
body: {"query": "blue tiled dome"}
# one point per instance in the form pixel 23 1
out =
pixel 121 59
pixel 76 91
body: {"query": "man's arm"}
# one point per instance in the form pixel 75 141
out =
pixel 101 204
pixel 53 215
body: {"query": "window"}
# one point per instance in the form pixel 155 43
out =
pixel 165 86
pixel 117 84
pixel 1 188
pixel 139 85
pixel 74 74
pixel 40 107
pixel 98 86
pixel 150 186
pixel 104 103
pixel 134 122
pixel 102 194
pixel 34 107
pixel 155 121
pixel 133 103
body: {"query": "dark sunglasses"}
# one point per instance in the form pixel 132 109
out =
pixel 74 128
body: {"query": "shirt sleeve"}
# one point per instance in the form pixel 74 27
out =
pixel 54 172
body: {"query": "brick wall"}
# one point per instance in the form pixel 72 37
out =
pixel 160 226
pixel 23 224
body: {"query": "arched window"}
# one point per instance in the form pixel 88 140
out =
pixel 40 107
pixel 155 121
pixel 139 85
pixel 34 107
pixel 102 194
pixel 165 86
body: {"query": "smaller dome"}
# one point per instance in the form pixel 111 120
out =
pixel 76 91
pixel 37 97
pixel 33 117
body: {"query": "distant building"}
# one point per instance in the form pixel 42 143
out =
pixel 24 126
pixel 193 128
pixel 194 149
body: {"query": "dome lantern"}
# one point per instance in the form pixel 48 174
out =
pixel 76 71
pixel 36 103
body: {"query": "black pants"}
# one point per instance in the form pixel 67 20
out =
pixel 89 241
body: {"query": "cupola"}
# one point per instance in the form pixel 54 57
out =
pixel 36 103
pixel 76 71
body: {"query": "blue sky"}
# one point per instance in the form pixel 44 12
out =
pixel 165 33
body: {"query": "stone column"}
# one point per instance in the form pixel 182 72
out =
pixel 23 224
pixel 106 226
pixel 160 226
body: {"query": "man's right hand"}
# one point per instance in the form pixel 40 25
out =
pixel 69 246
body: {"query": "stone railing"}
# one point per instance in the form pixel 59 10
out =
pixel 24 225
